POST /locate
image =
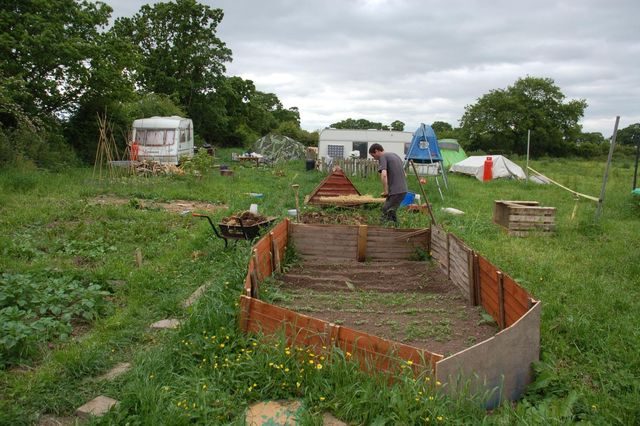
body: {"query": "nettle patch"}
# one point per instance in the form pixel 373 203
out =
pixel 37 308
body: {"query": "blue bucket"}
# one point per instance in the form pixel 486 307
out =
pixel 408 199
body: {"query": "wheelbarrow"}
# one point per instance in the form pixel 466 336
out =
pixel 237 232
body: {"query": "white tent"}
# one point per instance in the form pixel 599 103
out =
pixel 502 167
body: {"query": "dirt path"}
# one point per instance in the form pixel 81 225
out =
pixel 409 302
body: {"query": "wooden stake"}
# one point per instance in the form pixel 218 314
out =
pixel 606 170
pixel 296 188
pixel 424 194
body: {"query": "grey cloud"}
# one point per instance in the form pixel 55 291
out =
pixel 420 61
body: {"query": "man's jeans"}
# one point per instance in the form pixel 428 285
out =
pixel 390 206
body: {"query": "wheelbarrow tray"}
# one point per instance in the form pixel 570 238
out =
pixel 248 232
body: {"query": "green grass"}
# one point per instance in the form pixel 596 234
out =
pixel 587 276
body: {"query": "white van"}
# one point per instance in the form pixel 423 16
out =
pixel 163 139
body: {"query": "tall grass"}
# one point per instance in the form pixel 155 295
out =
pixel 206 372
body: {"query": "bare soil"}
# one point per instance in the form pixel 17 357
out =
pixel 175 206
pixel 410 302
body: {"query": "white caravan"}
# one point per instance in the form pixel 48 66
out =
pixel 163 139
pixel 340 143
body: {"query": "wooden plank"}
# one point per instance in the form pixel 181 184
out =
pixel 502 362
pixel 476 280
pixel 362 243
pixel 514 290
pixel 502 322
pixel 245 313
pixel 531 218
pixel 276 266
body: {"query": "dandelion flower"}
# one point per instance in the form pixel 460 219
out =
pixel 322 398
pixel 298 384
pixel 439 418
pixel 319 366
pixel 222 345
pixel 311 361
pixel 410 362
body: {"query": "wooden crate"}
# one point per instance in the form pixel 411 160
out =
pixel 520 218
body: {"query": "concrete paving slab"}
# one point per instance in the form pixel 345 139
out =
pixel 98 406
pixel 165 324
pixel 51 420
pixel 195 295
pixel 329 420
pixel 116 371
pixel 273 413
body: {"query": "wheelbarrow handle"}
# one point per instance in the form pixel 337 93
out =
pixel 215 231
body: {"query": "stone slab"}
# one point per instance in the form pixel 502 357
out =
pixel 329 420
pixel 195 295
pixel 116 371
pixel 51 420
pixel 165 324
pixel 273 413
pixel 98 406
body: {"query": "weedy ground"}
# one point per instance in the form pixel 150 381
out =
pixel 81 282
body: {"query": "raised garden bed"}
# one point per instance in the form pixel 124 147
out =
pixel 498 367
pixel 412 302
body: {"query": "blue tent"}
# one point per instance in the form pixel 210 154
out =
pixel 424 146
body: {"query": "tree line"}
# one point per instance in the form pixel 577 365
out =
pixel 500 121
pixel 62 65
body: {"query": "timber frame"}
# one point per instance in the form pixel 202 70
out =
pixel 499 367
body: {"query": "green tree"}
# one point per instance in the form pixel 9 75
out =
pixel 630 135
pixel 49 47
pixel 397 126
pixel 363 124
pixel 499 121
pixel 441 127
pixel 54 56
pixel 591 137
pixel 180 53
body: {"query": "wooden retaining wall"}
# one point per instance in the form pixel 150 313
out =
pixel 502 362
pixel 358 242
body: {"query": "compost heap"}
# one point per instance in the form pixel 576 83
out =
pixel 247 218
pixel 276 148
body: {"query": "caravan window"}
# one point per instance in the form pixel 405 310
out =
pixel 335 151
pixel 184 135
pixel 361 147
pixel 154 137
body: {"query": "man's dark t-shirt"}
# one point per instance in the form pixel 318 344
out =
pixel 395 172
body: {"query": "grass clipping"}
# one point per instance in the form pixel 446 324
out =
pixel 348 200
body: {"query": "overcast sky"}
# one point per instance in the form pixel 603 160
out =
pixel 424 61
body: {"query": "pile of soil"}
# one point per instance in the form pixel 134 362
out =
pixel 410 302
pixel 321 217
pixel 247 218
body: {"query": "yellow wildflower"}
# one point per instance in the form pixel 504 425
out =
pixel 319 366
